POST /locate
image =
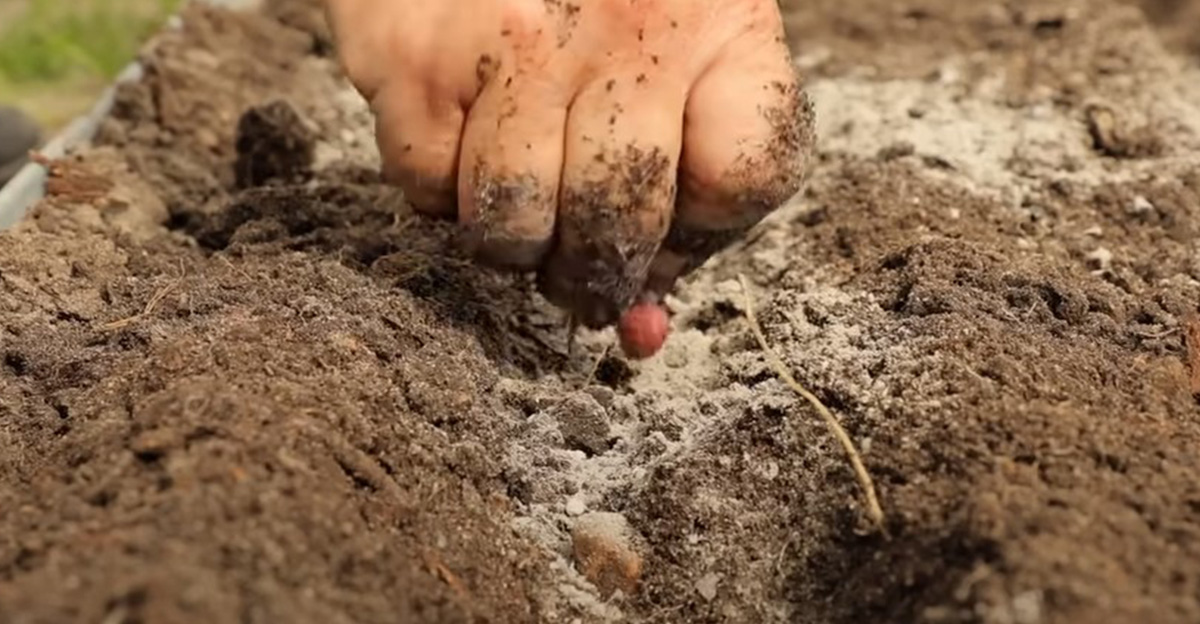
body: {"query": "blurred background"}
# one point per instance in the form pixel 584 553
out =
pixel 57 56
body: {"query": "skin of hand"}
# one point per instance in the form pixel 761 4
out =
pixel 610 146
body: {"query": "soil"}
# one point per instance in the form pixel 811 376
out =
pixel 242 381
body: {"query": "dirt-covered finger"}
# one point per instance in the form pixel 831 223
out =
pixel 618 192
pixel 419 138
pixel 748 139
pixel 512 159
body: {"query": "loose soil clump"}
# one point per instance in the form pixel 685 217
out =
pixel 240 380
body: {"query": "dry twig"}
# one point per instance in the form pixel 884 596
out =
pixel 874 511
pixel 596 366
pixel 151 305
pixel 438 568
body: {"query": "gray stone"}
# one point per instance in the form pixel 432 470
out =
pixel 583 423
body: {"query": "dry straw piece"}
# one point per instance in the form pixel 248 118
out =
pixel 874 511
pixel 155 299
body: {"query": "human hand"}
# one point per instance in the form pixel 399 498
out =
pixel 611 146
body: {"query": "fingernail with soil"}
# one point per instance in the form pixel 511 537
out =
pixel 643 329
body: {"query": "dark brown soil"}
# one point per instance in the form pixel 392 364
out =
pixel 241 381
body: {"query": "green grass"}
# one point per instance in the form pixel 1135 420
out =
pixel 56 56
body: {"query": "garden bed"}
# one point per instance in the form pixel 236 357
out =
pixel 241 381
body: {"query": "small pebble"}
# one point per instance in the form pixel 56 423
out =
pixel 707 586
pixel 605 554
pixel 603 395
pixel 583 423
pixel 576 506
pixel 676 356
pixel 729 288
pixel 1100 259
pixel 156 442
pixel 1141 206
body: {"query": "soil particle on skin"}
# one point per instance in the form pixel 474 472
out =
pixel 757 187
pixel 283 396
pixel 611 222
pixel 511 223
pixel 567 13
